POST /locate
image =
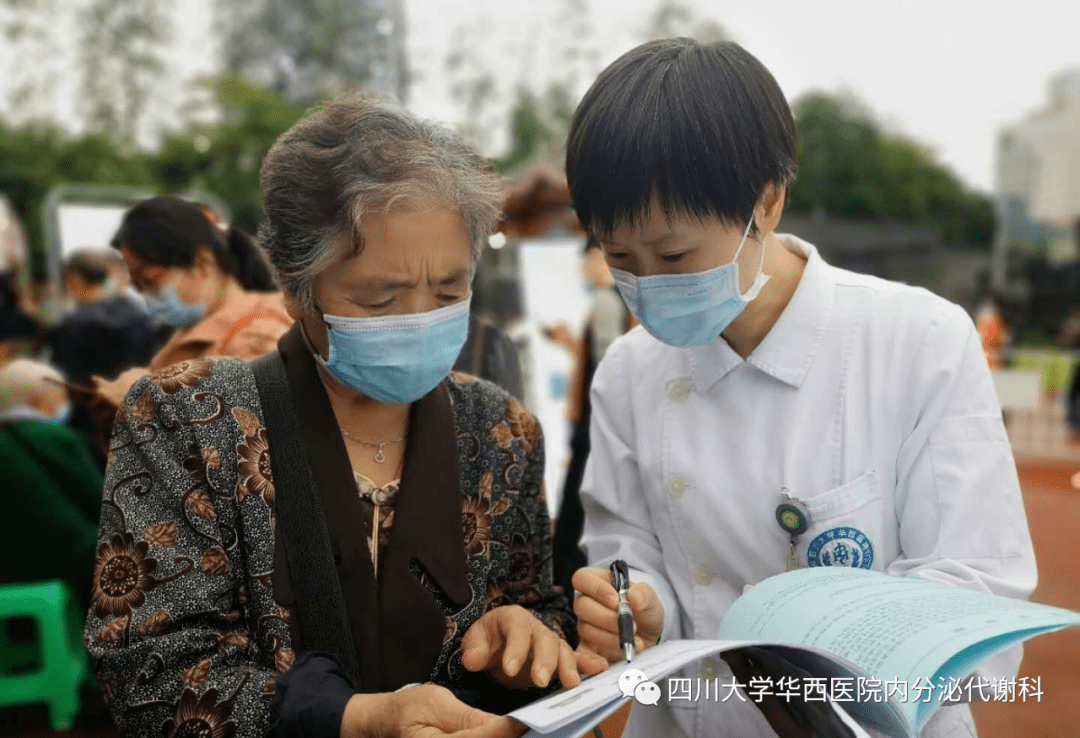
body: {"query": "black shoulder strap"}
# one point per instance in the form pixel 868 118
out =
pixel 323 623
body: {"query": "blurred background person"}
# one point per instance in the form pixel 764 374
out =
pixel 119 282
pixel 52 487
pixel 994 331
pixel 606 320
pixel 212 286
pixel 107 333
pixel 490 354
pixel 20 333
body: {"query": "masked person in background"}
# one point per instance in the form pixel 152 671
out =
pixel 211 285
pixel 51 485
pixel 760 373
pixel 431 483
pixel 607 319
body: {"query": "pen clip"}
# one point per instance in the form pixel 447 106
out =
pixel 620 576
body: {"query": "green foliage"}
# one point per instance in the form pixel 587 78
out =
pixel 849 167
pixel 223 159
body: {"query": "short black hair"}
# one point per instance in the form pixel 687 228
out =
pixel 89 264
pixel 704 128
pixel 591 243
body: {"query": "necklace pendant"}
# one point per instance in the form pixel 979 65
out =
pixel 379 456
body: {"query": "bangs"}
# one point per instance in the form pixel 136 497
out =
pixel 692 128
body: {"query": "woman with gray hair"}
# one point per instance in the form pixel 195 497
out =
pixel 226 600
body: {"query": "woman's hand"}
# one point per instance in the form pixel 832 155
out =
pixel 598 621
pixel 424 711
pixel 519 651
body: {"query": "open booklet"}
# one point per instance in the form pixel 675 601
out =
pixel 883 650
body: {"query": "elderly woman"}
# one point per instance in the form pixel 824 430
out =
pixel 430 482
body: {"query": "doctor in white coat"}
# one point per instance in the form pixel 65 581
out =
pixel 760 371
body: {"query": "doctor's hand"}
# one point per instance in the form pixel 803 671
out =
pixel 518 650
pixel 598 621
pixel 424 711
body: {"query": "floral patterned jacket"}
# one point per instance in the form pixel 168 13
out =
pixel 184 628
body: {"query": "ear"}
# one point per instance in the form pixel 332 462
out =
pixel 205 261
pixel 769 209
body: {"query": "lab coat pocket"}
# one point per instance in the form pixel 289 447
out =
pixel 846 526
pixel 978 492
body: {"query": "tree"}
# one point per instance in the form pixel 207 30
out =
pixel 311 49
pixel 122 61
pixel 849 168
pixel 674 19
pixel 25 30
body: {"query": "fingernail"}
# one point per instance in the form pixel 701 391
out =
pixel 542 677
pixel 512 666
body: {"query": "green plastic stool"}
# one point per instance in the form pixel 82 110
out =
pixel 64 668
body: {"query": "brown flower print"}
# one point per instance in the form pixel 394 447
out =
pixel 196 676
pixel 502 435
pixel 524 571
pixel 255 477
pixel 451 630
pixel 284 659
pixel 269 687
pixel 485 485
pixel 143 408
pixel 200 718
pixel 185 374
pixel 200 503
pixel 107 684
pixel 212 457
pixel 215 562
pixel 155 625
pixel 247 420
pixel 522 424
pixel 476 525
pixel 495 597
pixel 232 640
pixel 162 535
pixel 122 575
pixel 114 631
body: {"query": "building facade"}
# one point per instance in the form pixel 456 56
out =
pixel 1038 176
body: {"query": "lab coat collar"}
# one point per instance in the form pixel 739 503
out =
pixel 789 348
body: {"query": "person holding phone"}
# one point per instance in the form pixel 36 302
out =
pixel 762 375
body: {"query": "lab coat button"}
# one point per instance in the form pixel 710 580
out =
pixel 676 487
pixel 709 669
pixel 703 576
pixel 678 390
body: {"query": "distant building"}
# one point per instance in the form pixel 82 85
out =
pixel 1038 175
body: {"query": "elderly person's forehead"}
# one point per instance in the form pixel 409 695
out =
pixel 355 160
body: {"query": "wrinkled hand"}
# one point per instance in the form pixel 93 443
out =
pixel 775 710
pixel 114 391
pixel 598 621
pixel 424 711
pixel 518 650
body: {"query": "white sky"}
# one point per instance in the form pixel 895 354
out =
pixel 949 73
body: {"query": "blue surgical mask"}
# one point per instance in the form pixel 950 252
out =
pixel 396 359
pixel 167 307
pixel 686 310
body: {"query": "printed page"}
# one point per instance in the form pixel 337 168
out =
pixel 900 630
pixel 559 710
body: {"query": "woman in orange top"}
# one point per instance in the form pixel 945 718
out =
pixel 213 286
pixel 994 332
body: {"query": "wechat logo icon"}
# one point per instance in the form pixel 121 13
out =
pixel 634 683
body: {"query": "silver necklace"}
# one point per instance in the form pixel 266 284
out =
pixel 379 456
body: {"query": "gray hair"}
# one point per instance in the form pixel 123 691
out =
pixel 355 157
pixel 24 380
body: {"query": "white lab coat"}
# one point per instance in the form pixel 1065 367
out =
pixel 870 401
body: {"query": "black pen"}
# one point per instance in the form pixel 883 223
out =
pixel 620 578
